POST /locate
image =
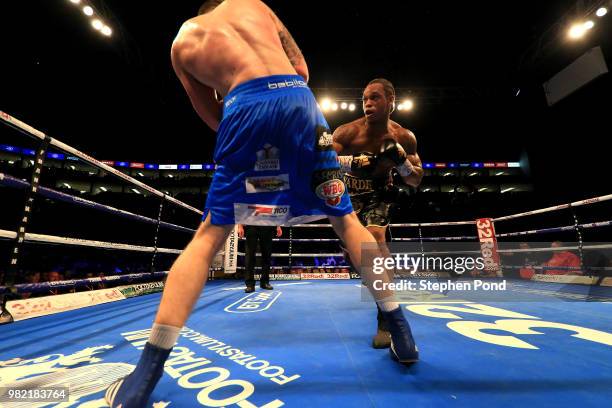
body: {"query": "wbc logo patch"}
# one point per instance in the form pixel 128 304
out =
pixel 331 191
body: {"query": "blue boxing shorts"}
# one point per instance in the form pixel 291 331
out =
pixel 275 159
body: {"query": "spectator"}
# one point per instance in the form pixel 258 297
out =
pixel 563 259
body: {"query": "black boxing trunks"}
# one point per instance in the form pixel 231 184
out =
pixel 370 199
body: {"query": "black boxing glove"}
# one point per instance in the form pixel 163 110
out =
pixel 394 152
pixel 360 164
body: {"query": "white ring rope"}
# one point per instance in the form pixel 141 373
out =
pixel 19 125
pixel 52 239
pixel 557 207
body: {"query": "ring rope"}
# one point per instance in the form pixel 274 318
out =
pixel 557 229
pixel 29 130
pixel 10 181
pixel 52 239
pixel 557 207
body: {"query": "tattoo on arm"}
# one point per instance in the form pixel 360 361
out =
pixel 289 45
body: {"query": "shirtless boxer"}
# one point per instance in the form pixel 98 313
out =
pixel 372 138
pixel 275 166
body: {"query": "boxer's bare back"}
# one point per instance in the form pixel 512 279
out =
pixel 231 45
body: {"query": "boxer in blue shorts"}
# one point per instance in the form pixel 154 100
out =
pixel 275 158
pixel 276 165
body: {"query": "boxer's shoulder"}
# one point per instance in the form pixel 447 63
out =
pixel 400 134
pixel 347 133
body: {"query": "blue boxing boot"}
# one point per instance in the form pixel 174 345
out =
pixel 403 349
pixel 134 390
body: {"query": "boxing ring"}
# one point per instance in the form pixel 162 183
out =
pixel 544 342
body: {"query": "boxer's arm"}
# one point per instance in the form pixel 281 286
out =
pixel 409 143
pixel 291 48
pixel 203 98
pixel 342 139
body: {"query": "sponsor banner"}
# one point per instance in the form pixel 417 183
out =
pixel 141 289
pixel 254 302
pixel 488 245
pixel 294 83
pixel 321 276
pixel 267 184
pixel 606 282
pixel 324 139
pixel 260 214
pixel 231 252
pixel 281 277
pixel 28 308
pixel 268 158
pixel 581 280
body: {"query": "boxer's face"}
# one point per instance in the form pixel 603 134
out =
pixel 376 105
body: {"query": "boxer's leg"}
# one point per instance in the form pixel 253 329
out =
pixel 353 234
pixel 183 286
pixel 382 338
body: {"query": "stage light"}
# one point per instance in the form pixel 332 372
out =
pixel 343 105
pixel 106 30
pixel 334 106
pixel 351 107
pixel 325 104
pixel 577 31
pixel 75 1
pixel 88 11
pixel 602 11
pixel 408 104
pixel 588 25
pixel 97 24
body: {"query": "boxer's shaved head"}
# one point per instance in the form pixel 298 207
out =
pixel 208 6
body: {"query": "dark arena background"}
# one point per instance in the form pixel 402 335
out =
pixel 105 169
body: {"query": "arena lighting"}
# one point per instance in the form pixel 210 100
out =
pixel 106 30
pixel 480 190
pixel 351 107
pixel 500 173
pixel 88 11
pixel 325 104
pixel 103 189
pixel 576 31
pixel 505 190
pixel 400 107
pixel 97 24
pixel 602 11
pixel 343 105
pixel 334 106
pixel 408 104
pixel 588 25
pixel 136 191
pixel 67 185
pixel 75 1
